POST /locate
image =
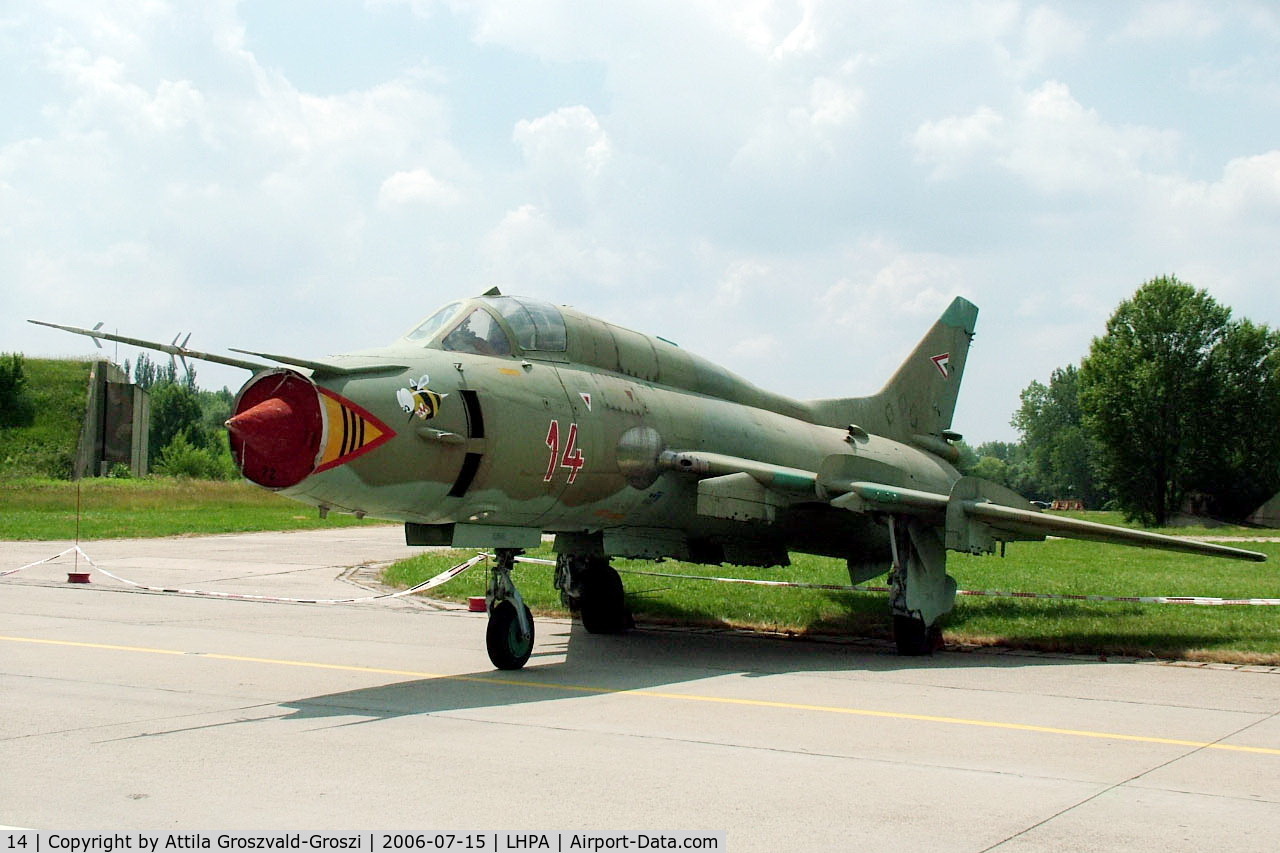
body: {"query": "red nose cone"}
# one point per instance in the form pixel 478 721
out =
pixel 276 430
pixel 266 426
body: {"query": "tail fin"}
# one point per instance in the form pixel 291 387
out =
pixel 917 403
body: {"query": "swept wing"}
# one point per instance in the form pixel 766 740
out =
pixel 976 515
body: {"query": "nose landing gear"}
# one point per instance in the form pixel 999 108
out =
pixel 509 637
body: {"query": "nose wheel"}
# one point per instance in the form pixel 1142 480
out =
pixel 509 637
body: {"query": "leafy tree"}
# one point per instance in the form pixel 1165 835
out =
pixel 175 409
pixel 148 373
pixel 215 408
pixel 1241 464
pixel 179 408
pixel 17 409
pixel 1148 392
pixel 1013 470
pixel 144 372
pixel 998 461
pixel 182 458
pixel 1061 456
pixel 968 458
pixel 1006 451
pixel 993 469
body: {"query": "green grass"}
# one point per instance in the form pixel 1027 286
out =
pixel 1237 634
pixel 155 506
pixel 47 448
pixel 1118 519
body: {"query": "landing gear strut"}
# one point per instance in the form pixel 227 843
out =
pixel 921 590
pixel 509 637
pixel 590 587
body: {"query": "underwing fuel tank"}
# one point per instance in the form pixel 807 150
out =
pixel 285 428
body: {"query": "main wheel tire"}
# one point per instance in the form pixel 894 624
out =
pixel 507 650
pixel 603 604
pixel 913 638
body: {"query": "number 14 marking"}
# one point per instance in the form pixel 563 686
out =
pixel 572 457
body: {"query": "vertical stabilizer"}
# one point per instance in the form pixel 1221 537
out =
pixel 920 398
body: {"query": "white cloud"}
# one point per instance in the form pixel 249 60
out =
pixel 1253 77
pixel 831 103
pixel 803 130
pixel 803 37
pixel 1048 34
pixel 1051 140
pixel 529 252
pixel 743 277
pixel 794 186
pixel 886 282
pixel 951 145
pixel 416 186
pixel 567 155
pixel 1172 19
pixel 1252 184
pixel 756 349
pixel 1063 146
pixel 567 141
pixel 1248 189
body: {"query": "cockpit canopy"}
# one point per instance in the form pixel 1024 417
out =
pixel 493 325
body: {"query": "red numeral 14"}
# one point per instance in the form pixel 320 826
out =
pixel 571 458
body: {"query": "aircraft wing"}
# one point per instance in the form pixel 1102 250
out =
pixel 976 514
pixel 341 366
pixel 979 512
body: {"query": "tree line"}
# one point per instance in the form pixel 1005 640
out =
pixel 1176 404
pixel 187 437
pixel 17 409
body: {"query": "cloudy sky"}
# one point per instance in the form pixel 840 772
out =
pixel 794 189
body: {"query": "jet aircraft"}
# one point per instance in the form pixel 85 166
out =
pixel 499 419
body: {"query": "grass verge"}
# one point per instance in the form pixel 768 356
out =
pixel 155 506
pixel 1230 633
pixel 47 448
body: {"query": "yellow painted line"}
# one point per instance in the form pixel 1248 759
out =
pixel 658 694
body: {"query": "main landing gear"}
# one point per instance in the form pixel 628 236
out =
pixel 921 590
pixel 509 636
pixel 590 587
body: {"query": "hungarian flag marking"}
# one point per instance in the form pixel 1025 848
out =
pixel 943 363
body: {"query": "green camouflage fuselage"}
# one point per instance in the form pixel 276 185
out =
pixel 585 444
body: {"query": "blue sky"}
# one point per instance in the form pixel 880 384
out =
pixel 795 190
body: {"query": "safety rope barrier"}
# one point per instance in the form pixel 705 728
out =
pixel 982 593
pixel 443 577
pixel 453 571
